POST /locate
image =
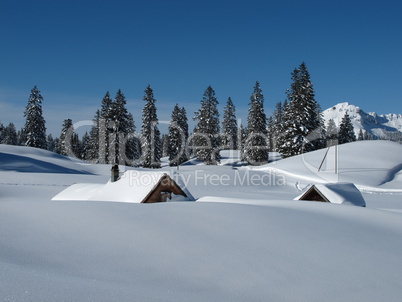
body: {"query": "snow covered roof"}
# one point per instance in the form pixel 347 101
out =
pixel 133 186
pixel 340 193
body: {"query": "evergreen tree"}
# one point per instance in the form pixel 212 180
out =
pixel 9 135
pixel 332 133
pixel 241 141
pixel 271 133
pixel 360 137
pixel 281 141
pixel 92 147
pixel 257 144
pixel 346 131
pixel 183 124
pixel 206 141
pixel 35 128
pixel 67 131
pixel 105 128
pixel 85 143
pixel 22 137
pixel 76 145
pixel 165 145
pixel 132 147
pixel 57 145
pixel 303 128
pixel 150 135
pixel 367 136
pixel 229 126
pixel 51 143
pixel 276 130
pixel 177 138
pixel 122 129
pixel 1 132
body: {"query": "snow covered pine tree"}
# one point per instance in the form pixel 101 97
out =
pixel 35 129
pixel 346 131
pixel 303 126
pixel 229 126
pixel 206 140
pixel 151 145
pixel 256 147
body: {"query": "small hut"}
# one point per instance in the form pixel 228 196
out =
pixel 163 190
pixel 339 193
pixel 133 186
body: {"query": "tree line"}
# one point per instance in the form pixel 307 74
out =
pixel 296 126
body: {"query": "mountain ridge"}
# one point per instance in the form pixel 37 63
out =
pixel 380 126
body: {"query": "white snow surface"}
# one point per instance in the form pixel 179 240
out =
pixel 245 239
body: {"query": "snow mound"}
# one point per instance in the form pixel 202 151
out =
pixel 371 165
pixel 338 193
pixel 133 186
pixel 33 160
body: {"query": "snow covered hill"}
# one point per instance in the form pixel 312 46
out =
pixel 371 165
pixel 247 241
pixel 380 126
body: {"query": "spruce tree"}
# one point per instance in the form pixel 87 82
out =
pixel 206 138
pixel 257 143
pixel 271 133
pixel 346 131
pixel 22 137
pixel 241 141
pixel 1 132
pixel 51 145
pixel 92 148
pixel 150 135
pixel 229 126
pixel 360 137
pixel 303 127
pixel 332 133
pixel 367 136
pixel 122 130
pixel 66 144
pixel 105 129
pixel 35 128
pixel 57 144
pixel 76 145
pixel 132 147
pixel 177 138
pixel 183 124
pixel 165 145
pixel 276 131
pixel 85 145
pixel 9 135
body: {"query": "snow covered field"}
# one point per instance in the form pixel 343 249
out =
pixel 244 239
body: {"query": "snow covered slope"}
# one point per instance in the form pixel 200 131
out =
pixel 33 160
pixel 252 243
pixel 371 165
pixel 381 126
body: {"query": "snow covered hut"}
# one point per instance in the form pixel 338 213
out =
pixel 340 193
pixel 133 186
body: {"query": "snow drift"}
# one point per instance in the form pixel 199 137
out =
pixel 253 243
pixel 133 186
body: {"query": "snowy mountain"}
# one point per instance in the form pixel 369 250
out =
pixel 387 126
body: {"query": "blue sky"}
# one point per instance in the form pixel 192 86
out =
pixel 75 51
